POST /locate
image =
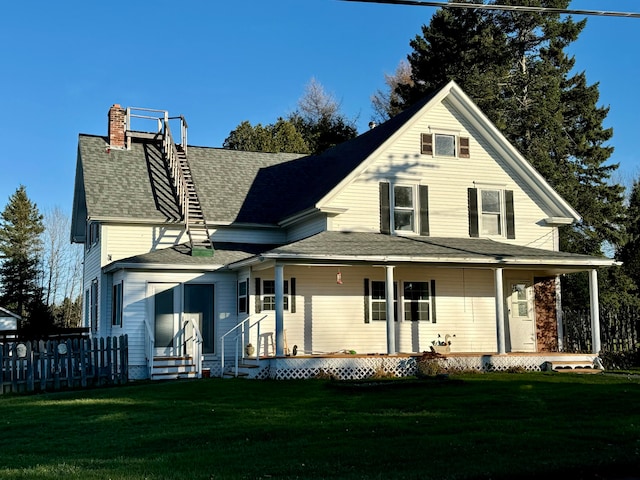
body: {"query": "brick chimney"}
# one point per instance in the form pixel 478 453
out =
pixel 117 137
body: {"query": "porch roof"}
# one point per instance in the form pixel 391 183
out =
pixel 179 257
pixel 359 247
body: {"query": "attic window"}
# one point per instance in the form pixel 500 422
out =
pixel 444 145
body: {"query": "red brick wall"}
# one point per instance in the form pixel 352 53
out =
pixel 116 126
pixel 546 323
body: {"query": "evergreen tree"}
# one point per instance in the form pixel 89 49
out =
pixel 629 253
pixel 281 136
pixel 315 126
pixel 20 249
pixel 513 65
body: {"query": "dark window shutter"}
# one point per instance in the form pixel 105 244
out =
pixel 509 211
pixel 426 144
pixel 385 209
pixel 424 209
pixel 292 300
pixel 464 151
pixel 433 301
pixel 473 212
pixel 238 298
pixel 258 294
pixel 367 294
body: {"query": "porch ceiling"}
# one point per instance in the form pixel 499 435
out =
pixel 374 248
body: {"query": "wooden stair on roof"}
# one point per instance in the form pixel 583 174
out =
pixel 199 237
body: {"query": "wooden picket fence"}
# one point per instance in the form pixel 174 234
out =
pixel 46 365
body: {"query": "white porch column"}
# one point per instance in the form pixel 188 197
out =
pixel 391 327
pixel 595 311
pixel 499 294
pixel 279 281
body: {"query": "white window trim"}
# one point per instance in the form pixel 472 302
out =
pixel 456 134
pixel 286 296
pixel 400 302
pixel 416 207
pixel 502 223
pixel 117 304
pixel 245 296
pixel 429 302
pixel 384 301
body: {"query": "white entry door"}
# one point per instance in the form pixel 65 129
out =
pixel 522 325
pixel 163 298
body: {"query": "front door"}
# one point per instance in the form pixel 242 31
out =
pixel 164 298
pixel 522 325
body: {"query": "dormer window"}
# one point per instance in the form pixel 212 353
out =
pixel 444 145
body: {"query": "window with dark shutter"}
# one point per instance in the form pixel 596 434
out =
pixel 423 191
pixel 433 301
pixel 473 212
pixel 464 150
pixel 510 214
pixel 292 302
pixel 426 144
pixel 385 209
pixel 258 295
pixel 367 296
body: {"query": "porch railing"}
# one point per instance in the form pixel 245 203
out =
pixel 241 332
pixel 192 343
pixel 151 343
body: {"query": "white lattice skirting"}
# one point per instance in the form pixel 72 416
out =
pixel 356 368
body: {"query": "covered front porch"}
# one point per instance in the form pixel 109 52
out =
pixel 318 302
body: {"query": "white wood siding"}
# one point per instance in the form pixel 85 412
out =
pixel 123 241
pixel 330 317
pixel 247 235
pixel 136 307
pixel 307 228
pixel 448 180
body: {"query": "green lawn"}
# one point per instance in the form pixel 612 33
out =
pixel 499 426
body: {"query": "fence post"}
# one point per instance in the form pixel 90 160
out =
pixel 30 382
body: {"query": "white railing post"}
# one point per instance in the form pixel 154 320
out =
pixel 239 335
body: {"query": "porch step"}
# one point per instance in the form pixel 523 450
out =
pixel 573 367
pixel 172 368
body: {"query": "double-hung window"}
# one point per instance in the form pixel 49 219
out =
pixel 379 300
pixel 404 208
pixel 116 305
pixel 269 295
pixel 416 301
pixel 492 216
pixel 491 213
pixel 243 304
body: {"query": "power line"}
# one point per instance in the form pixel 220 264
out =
pixel 509 8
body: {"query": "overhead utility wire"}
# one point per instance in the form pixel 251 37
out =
pixel 510 8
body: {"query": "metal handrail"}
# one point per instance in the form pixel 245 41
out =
pixel 243 331
pixel 196 341
pixel 150 346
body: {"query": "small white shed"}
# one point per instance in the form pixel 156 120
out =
pixel 8 320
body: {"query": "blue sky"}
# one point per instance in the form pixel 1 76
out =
pixel 219 63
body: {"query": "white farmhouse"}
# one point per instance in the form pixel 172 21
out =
pixel 428 229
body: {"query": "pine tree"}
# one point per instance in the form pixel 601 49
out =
pixel 514 66
pixel 20 250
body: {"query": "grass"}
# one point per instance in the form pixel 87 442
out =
pixel 477 426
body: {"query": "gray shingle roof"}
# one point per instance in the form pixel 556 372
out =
pixel 233 186
pixel 363 246
pixel 180 255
